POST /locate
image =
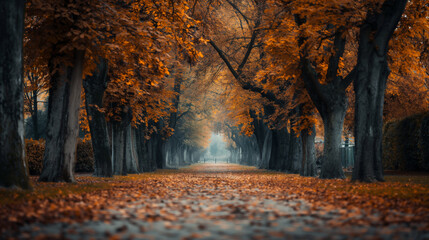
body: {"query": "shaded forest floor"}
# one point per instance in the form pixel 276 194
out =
pixel 218 201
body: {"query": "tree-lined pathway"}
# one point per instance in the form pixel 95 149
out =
pixel 216 201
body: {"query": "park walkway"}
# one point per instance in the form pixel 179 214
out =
pixel 210 201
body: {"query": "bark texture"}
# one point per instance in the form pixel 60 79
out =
pixel 63 122
pixel 95 86
pixel 144 153
pixel 331 101
pixel 120 141
pixel 295 152
pixel 370 85
pixel 130 151
pixel 13 168
pixel 118 147
pixel 308 164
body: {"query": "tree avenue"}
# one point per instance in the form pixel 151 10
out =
pixel 150 81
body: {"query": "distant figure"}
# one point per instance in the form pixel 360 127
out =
pixel 215 160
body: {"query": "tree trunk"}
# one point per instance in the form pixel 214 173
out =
pixel 283 149
pixel 308 164
pixel 333 125
pixel 182 155
pixel 368 127
pixel 370 85
pixel 260 132
pixel 330 100
pixel 144 163
pixel 95 87
pixel 34 118
pixel 176 100
pixel 157 151
pixel 130 154
pixel 274 158
pixel 118 153
pixel 295 153
pixel 63 122
pixel 150 154
pixel 266 150
pixel 13 167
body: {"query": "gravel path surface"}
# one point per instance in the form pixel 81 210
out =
pixel 202 203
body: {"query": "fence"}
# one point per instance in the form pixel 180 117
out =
pixel 347 155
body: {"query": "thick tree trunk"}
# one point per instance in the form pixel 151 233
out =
pixel 63 123
pixel 95 87
pixel 330 100
pixel 333 126
pixel 370 85
pixel 368 133
pixel 308 164
pixel 13 167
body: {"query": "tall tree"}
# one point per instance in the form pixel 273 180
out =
pixel 95 87
pixel 13 167
pixel 370 85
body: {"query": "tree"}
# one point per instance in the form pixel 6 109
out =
pixel 13 168
pixel 327 37
pixel 95 87
pixel 370 85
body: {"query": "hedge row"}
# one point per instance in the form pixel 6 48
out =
pixel 36 148
pixel 406 144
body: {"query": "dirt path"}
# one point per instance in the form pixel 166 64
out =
pixel 209 201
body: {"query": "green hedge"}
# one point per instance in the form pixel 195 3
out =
pixel 85 157
pixel 406 144
pixel 34 155
pixel 36 148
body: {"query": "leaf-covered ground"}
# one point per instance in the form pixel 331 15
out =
pixel 217 201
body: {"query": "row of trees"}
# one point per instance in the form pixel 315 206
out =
pixel 120 53
pixel 302 57
pixel 276 66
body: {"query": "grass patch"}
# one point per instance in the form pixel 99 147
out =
pixel 43 190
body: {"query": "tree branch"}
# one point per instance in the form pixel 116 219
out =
pixel 246 85
pixel 334 60
pixel 240 12
pixel 225 59
pixel 348 79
